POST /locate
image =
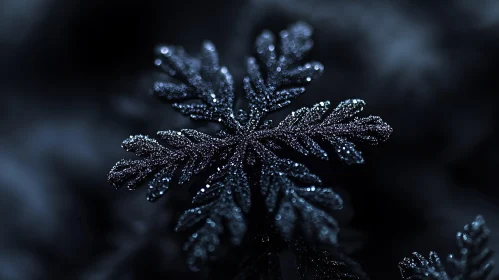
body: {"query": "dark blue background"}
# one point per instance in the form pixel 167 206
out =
pixel 74 77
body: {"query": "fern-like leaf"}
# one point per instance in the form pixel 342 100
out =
pixel 472 263
pixel 474 258
pixel 204 90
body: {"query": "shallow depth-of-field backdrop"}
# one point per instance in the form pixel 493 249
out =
pixel 74 79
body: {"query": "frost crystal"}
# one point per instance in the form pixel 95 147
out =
pixel 203 90
pixel 472 263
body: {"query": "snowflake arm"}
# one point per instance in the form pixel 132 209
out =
pixel 305 205
pixel 474 258
pixel 189 151
pixel 285 78
pixel 197 79
pixel 472 263
pixel 223 200
pixel 340 128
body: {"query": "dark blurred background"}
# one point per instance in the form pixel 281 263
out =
pixel 74 78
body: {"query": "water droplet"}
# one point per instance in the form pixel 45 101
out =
pixel 309 79
pixel 271 48
pixel 278 217
pixel 157 62
pixel 165 50
pixel 209 46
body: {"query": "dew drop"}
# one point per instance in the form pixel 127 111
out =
pixel 210 47
pixel 165 50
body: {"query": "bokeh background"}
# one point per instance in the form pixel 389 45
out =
pixel 74 78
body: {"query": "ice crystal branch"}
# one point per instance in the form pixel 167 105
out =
pixel 203 90
pixel 472 263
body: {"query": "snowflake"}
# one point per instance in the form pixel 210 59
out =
pixel 473 262
pixel 246 150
